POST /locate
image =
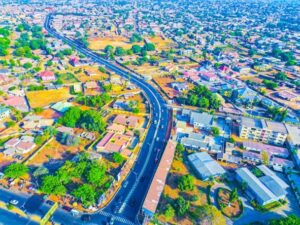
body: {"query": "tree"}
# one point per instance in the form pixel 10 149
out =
pixel 186 183
pixel 203 103
pixel 52 185
pixel 120 51
pixel 169 212
pixel 179 151
pixel 108 49
pixel 135 38
pixel 280 76
pixel 181 206
pixel 244 185
pixel 27 65
pixel 86 194
pixel 149 47
pixel 70 117
pixel 102 69
pixel 215 131
pixel 16 170
pixel 289 220
pixel 208 214
pixel 233 195
pixel 136 49
pixel 69 140
pixel 265 157
pixel 95 173
pixel 40 171
pixel 270 84
pixel 118 158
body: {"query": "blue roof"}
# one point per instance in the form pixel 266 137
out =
pixel 205 165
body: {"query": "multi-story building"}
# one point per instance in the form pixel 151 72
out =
pixel 263 131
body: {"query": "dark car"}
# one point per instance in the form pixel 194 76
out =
pixel 49 202
pixel 86 217
pixel 67 208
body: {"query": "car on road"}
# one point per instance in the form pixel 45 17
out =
pixel 67 208
pixel 14 202
pixel 112 221
pixel 49 202
pixel 86 217
pixel 75 212
pixel 132 203
pixel 125 184
pixel 142 179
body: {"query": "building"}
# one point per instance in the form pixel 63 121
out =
pixel 201 120
pixel 47 76
pixel 228 155
pixel 21 145
pixel 205 166
pixel 288 96
pixel 208 76
pixel 4 112
pixel 280 164
pixel 264 190
pixel 116 128
pixel 271 150
pixel 263 131
pixel 179 86
pixel 129 121
pixel 114 142
pixel 61 106
pixel 157 186
pixel 198 141
pixel 293 142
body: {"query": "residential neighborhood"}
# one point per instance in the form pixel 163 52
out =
pixel 149 112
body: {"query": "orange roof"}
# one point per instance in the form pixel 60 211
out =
pixel 159 180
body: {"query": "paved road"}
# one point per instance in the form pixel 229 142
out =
pixel 9 218
pixel 127 203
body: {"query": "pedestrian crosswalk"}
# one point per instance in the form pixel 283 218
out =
pixel 117 218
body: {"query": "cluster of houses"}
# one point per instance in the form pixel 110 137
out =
pixel 262 142
pixel 20 146
pixel 119 137
pixel 265 189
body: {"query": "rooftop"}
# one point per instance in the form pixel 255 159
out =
pixel 205 165
pixel 159 179
pixel 255 185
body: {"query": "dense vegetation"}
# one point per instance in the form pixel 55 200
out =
pixel 202 97
pixel 68 178
pixel 90 120
pixel 15 170
pixel 94 101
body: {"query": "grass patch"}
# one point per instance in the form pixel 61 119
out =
pixel 67 77
pixel 46 97
pixel 232 209
pixel 268 207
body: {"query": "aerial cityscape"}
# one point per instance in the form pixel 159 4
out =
pixel 150 112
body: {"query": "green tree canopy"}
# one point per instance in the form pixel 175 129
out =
pixel 118 158
pixel 16 170
pixel 181 206
pixel 186 183
pixel 86 194
pixel 52 185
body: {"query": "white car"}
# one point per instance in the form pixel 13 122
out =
pixel 14 202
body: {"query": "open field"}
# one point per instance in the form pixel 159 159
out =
pixel 148 70
pixel 232 209
pixel 100 43
pixel 160 43
pixel 83 77
pixel 57 152
pixel 46 97
pixel 171 191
